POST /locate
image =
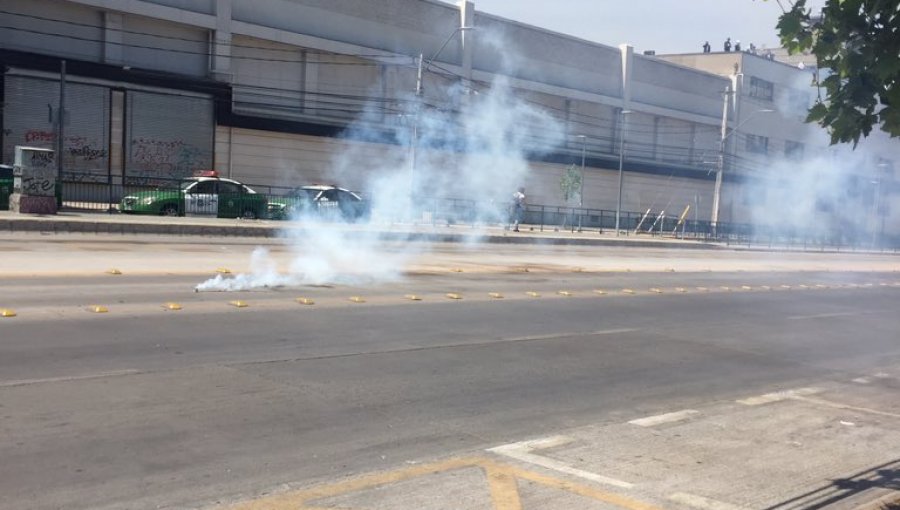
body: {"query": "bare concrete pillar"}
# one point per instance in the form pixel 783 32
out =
pixel 113 24
pixel 220 64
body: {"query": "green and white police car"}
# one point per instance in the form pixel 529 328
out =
pixel 204 195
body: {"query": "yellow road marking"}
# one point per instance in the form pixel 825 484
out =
pixel 456 270
pixel 357 299
pixel 628 291
pixel 223 270
pixel 680 289
pixel 746 287
pixel 172 306
pixel 502 480
pixel 6 312
pixel 305 301
pixel 495 295
pixel 564 293
pixel 453 295
pixel 114 272
pixel 600 292
pixel 656 290
pixel 238 304
pixel 533 294
pixel 703 289
pixel 97 309
pixel 413 297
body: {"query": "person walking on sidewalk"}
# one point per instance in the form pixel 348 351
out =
pixel 517 208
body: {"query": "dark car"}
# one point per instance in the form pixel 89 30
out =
pixel 323 201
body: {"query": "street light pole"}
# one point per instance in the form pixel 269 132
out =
pixel 422 65
pixel 720 164
pixel 623 116
pixel 581 181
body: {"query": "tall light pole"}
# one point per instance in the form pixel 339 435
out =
pixel 720 164
pixel 622 118
pixel 583 139
pixel 422 66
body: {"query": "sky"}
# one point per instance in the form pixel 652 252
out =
pixel 666 26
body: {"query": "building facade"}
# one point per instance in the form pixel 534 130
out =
pixel 287 92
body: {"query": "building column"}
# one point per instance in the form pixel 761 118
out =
pixel 112 38
pixel 220 56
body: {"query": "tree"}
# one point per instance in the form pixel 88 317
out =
pixel 570 183
pixel 857 45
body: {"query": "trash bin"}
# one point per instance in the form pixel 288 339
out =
pixel 6 186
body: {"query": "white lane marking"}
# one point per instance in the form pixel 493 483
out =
pixel 523 451
pixel 778 396
pixel 838 405
pixel 824 315
pixel 651 421
pixel 552 336
pixel 702 502
pixel 26 382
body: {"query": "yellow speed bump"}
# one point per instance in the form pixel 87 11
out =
pixel 413 297
pixel 656 290
pixel 238 304
pixel 172 306
pixel 357 299
pixel 628 291
pixel 6 312
pixel 495 295
pixel 453 295
pixel 305 301
pixel 223 270
pixel 97 309
pixel 532 293
pixel 600 292
pixel 564 293
pixel 114 272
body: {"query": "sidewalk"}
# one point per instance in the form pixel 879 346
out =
pixel 100 223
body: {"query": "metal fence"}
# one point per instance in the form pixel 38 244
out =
pixel 80 195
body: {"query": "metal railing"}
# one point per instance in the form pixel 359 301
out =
pixel 81 195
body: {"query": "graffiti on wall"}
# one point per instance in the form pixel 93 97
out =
pixel 38 173
pixel 166 159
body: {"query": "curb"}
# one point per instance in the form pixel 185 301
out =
pixel 265 231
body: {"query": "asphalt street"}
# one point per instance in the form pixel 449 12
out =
pixel 238 395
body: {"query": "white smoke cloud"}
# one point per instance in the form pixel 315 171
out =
pixel 473 143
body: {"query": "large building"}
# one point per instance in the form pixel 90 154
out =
pixel 283 92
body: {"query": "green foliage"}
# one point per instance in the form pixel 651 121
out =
pixel 857 43
pixel 570 183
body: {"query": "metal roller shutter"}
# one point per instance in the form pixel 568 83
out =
pixel 168 136
pixel 30 118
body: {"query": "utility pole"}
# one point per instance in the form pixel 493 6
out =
pixel 623 116
pixel 720 164
pixel 60 122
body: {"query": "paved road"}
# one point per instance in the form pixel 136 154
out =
pixel 143 407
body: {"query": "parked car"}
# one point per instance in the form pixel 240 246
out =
pixel 324 201
pixel 204 195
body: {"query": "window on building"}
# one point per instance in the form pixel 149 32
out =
pixel 761 88
pixel 793 150
pixel 757 144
